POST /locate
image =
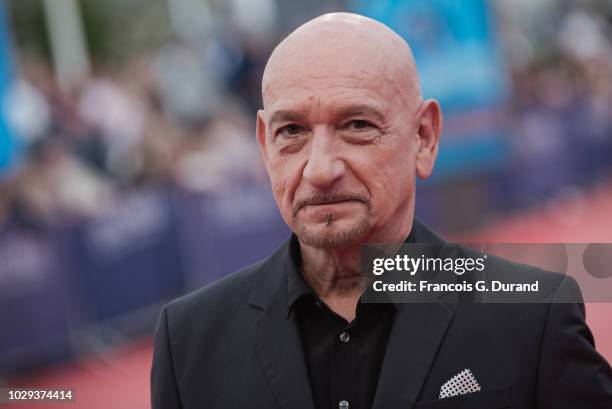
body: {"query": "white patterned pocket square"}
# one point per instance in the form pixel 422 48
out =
pixel 460 384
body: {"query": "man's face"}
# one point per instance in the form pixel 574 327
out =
pixel 339 139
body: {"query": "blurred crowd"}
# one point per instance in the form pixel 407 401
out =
pixel 182 116
pixel 561 70
pixel 161 120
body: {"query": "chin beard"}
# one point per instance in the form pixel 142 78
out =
pixel 331 236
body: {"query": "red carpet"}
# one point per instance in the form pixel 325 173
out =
pixel 116 380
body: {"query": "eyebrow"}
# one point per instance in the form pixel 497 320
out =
pixel 359 110
pixel 284 115
pixel 288 115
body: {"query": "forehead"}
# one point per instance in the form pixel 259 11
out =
pixel 329 84
pixel 339 63
pixel 326 99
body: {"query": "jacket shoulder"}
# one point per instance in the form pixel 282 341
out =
pixel 234 286
pixel 225 300
pixel 553 286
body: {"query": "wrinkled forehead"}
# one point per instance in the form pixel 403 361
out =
pixel 328 63
pixel 336 79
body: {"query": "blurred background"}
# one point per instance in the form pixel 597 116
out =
pixel 129 173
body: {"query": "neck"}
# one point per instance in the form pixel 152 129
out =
pixel 335 273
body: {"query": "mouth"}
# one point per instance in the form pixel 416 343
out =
pixel 324 208
pixel 329 202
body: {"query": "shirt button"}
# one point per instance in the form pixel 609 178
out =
pixel 343 405
pixel 345 337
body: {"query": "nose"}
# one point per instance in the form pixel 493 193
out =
pixel 324 167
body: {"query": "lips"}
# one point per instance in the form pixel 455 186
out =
pixel 327 207
pixel 330 199
pixel 330 202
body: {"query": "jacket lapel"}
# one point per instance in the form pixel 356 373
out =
pixel 417 332
pixel 276 337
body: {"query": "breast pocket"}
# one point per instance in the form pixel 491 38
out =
pixel 491 398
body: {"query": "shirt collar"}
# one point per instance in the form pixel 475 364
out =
pixel 297 286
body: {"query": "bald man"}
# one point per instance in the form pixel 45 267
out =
pixel 343 134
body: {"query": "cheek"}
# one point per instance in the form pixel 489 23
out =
pixel 284 175
pixel 389 176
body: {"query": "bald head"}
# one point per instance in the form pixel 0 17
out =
pixel 344 45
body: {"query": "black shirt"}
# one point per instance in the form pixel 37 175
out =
pixel 343 359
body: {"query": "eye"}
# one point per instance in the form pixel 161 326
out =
pixel 359 125
pixel 290 130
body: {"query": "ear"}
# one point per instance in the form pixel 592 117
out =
pixel 428 136
pixel 260 131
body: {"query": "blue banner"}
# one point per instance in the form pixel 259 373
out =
pixel 8 145
pixel 127 258
pixel 460 62
pixel 454 44
pixel 227 231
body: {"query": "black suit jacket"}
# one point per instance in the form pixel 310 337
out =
pixel 230 345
